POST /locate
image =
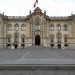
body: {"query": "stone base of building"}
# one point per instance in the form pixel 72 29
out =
pixel 55 46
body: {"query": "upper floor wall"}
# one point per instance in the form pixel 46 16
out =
pixel 38 20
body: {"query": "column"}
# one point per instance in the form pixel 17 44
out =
pixel 19 44
pixel 55 41
pixel 62 40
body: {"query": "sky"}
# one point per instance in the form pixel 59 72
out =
pixel 52 7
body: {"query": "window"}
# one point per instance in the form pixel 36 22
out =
pixel 59 36
pixel 22 38
pixel 9 38
pixel 52 38
pixel 65 38
pixel 58 27
pixel 65 27
pixel 37 23
pixel 58 39
pixel 23 27
pixel 66 45
pixel 9 27
pixel 51 27
pixel 16 27
pixel 16 37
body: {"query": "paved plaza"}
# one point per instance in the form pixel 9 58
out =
pixel 39 72
pixel 37 55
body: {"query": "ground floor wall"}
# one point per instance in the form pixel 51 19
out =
pixel 36 41
pixel 60 46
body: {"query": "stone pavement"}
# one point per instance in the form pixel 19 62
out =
pixel 37 55
pixel 38 72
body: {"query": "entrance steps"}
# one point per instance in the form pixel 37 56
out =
pixel 37 67
pixel 38 47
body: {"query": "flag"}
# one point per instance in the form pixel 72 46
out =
pixel 34 5
pixel 36 2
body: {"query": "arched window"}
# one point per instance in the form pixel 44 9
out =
pixel 16 27
pixel 9 38
pixel 51 27
pixel 23 27
pixel 9 27
pixel 37 23
pixel 65 28
pixel 58 27
pixel 52 38
pixel 22 38
pixel 65 38
pixel 16 37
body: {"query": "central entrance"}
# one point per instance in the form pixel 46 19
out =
pixel 37 40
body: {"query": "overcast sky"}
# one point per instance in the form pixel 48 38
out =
pixel 22 7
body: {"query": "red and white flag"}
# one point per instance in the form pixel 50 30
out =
pixel 36 2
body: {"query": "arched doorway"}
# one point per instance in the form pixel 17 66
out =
pixel 37 40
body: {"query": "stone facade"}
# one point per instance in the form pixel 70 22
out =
pixel 37 29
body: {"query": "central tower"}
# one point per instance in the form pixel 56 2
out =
pixel 37 26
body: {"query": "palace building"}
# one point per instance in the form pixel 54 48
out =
pixel 37 28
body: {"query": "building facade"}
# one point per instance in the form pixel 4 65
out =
pixel 37 29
